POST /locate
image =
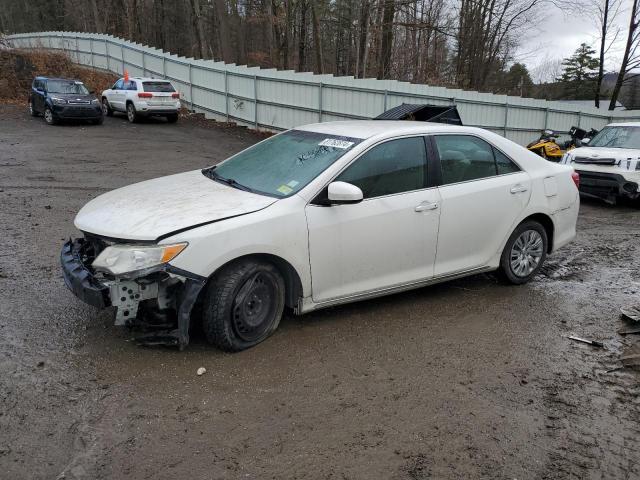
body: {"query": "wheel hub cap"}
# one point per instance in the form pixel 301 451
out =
pixel 526 253
pixel 254 307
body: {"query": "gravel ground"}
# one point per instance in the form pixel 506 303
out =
pixel 468 379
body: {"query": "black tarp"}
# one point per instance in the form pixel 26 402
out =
pixel 423 113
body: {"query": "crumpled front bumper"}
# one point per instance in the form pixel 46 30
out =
pixel 79 279
pixel 177 290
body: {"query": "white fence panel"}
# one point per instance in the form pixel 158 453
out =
pixel 276 100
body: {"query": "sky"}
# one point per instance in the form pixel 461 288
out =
pixel 561 34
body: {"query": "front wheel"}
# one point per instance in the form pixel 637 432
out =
pixel 48 116
pixel 524 253
pixel 243 305
pixel 106 108
pixel 132 115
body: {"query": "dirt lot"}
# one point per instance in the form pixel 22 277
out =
pixel 469 379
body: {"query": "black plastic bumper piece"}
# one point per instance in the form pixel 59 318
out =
pixel 79 279
pixel 606 185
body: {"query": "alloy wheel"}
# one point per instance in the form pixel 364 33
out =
pixel 526 253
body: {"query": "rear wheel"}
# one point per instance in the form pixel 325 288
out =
pixel 132 115
pixel 524 253
pixel 106 108
pixel 48 116
pixel 173 118
pixel 243 305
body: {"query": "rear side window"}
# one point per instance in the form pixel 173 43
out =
pixel 131 85
pixel 395 166
pixel 464 158
pixel 157 87
pixel 504 163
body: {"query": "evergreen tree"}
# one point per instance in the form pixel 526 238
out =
pixel 580 74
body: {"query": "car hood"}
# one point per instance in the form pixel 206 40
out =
pixel 604 152
pixel 73 97
pixel 155 208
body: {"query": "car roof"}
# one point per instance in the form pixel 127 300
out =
pixel 624 124
pixel 148 79
pixel 371 128
pixel 58 78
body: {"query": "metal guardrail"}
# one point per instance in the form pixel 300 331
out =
pixel 279 100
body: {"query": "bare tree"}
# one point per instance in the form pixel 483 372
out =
pixel 631 57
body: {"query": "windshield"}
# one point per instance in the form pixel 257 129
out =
pixel 617 137
pixel 66 86
pixel 282 165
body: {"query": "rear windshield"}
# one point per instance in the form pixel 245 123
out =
pixel 283 164
pixel 157 87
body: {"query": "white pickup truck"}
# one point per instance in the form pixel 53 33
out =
pixel 609 166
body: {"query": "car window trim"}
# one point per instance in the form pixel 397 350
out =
pixel 439 166
pixel 426 168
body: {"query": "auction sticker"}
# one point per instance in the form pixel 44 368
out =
pixel 335 143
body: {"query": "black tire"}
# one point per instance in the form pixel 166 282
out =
pixel 238 292
pixel 106 108
pixel 49 117
pixel 32 110
pixel 132 115
pixel 173 118
pixel 99 121
pixel 514 255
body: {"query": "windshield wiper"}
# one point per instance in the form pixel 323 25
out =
pixel 210 173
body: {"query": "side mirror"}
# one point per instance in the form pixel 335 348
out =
pixel 585 141
pixel 340 193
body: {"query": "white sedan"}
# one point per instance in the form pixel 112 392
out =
pixel 316 216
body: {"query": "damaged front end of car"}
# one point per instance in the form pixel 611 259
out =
pixel 136 278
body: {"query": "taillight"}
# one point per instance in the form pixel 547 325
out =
pixel 175 95
pixel 145 95
pixel 576 178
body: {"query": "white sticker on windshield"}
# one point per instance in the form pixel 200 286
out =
pixel 78 83
pixel 292 184
pixel 332 142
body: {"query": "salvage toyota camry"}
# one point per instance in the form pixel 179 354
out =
pixel 317 216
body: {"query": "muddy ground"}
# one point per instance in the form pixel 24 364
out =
pixel 468 379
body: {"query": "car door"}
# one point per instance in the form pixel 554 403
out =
pixel 483 194
pixel 38 96
pixel 386 240
pixel 115 96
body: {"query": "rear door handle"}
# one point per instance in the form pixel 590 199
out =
pixel 424 206
pixel 518 189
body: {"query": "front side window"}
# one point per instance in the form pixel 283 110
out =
pixel 66 86
pixel 393 167
pixel 118 85
pixel 464 158
pixel 617 137
pixel 284 164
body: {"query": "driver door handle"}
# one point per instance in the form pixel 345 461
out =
pixel 424 206
pixel 518 189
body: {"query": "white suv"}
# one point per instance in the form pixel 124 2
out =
pixel 609 164
pixel 142 97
